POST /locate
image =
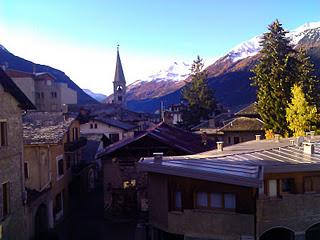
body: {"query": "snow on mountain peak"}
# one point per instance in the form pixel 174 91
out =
pixel 252 47
pixel 174 72
pixel 245 49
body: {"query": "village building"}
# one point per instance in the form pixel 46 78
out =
pixel 124 187
pixel 243 126
pixel 43 90
pixel 261 189
pixel 13 104
pixel 112 129
pixel 52 155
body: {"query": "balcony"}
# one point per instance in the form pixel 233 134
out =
pixel 211 224
pixel 73 146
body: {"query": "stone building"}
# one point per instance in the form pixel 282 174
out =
pixel 12 194
pixel 52 150
pixel 43 90
pixel 263 190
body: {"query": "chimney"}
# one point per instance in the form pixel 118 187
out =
pixel 220 146
pixel 308 148
pixel 157 157
pixel 258 137
pixel 292 141
pixel 277 137
pixel 212 123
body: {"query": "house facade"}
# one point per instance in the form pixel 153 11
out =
pixel 261 190
pixel 12 195
pixel 52 149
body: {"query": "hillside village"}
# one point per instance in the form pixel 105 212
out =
pixel 72 169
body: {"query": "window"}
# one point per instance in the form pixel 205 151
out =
pixel 216 200
pixel 311 184
pixel 129 184
pixel 229 201
pixel 3 134
pixel 178 200
pixel 5 199
pixel 272 188
pixel 91 125
pixel 26 170
pixel 53 94
pixel 75 134
pixel 287 185
pixel 202 199
pixel 236 140
pixel 114 137
pixel 95 125
pixel 60 170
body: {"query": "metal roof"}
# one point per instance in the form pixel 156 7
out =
pixel 240 164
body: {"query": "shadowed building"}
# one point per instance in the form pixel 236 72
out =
pixel 12 194
pixel 121 180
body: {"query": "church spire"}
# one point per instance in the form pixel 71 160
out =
pixel 119 83
pixel 119 75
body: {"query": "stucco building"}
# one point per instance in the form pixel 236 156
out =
pixel 12 194
pixel 43 90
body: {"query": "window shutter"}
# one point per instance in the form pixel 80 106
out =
pixel 1 202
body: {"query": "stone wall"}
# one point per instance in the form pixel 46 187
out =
pixel 296 212
pixel 11 170
pixel 211 224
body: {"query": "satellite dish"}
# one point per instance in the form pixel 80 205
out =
pixel 300 140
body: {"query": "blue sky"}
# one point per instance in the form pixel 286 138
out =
pixel 72 34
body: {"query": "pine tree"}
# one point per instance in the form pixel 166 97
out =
pixel 299 113
pixel 308 80
pixel 199 97
pixel 275 74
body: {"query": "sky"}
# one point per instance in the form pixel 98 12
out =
pixel 79 37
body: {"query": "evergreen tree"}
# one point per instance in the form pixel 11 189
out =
pixel 199 97
pixel 300 114
pixel 275 74
pixel 308 80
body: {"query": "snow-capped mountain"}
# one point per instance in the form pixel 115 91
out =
pixel 230 75
pixel 163 82
pixel 97 96
pixel 252 47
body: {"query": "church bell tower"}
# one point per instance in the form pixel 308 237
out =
pixel 119 84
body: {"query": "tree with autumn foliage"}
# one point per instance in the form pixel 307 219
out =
pixel 300 114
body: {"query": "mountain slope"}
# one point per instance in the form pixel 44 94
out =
pixel 97 96
pixel 18 63
pixel 230 75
